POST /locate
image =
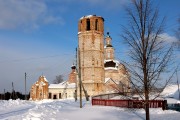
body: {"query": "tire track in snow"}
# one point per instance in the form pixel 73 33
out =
pixel 16 111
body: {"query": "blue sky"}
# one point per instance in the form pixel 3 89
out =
pixel 40 36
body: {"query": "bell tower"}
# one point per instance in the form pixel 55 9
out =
pixel 91 53
pixel 109 50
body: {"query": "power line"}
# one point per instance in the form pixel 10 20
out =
pixel 34 58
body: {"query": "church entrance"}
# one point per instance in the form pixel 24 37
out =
pixel 49 95
pixel 59 95
pixel 54 96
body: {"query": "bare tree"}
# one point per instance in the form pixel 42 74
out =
pixel 58 79
pixel 177 32
pixel 149 53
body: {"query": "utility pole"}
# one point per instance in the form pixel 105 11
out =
pixel 178 84
pixel 80 81
pixel 85 92
pixel 4 95
pixel 76 77
pixel 25 87
pixel 79 74
pixel 12 94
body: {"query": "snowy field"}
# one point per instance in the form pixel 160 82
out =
pixel 69 110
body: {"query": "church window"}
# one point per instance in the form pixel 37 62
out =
pixel 96 24
pixel 80 26
pixel 108 41
pixel 108 55
pixel 92 61
pixel 88 24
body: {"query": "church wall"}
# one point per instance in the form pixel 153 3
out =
pixel 120 78
pixel 61 93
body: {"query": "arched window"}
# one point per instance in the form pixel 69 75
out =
pixel 80 26
pixel 88 24
pixel 96 24
pixel 93 61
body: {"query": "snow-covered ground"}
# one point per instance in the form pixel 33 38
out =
pixel 69 110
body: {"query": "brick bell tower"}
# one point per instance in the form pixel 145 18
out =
pixel 109 50
pixel 91 53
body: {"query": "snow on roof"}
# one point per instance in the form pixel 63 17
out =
pixel 171 91
pixel 111 68
pixel 116 61
pixel 107 79
pixel 121 97
pixel 44 78
pixel 72 85
pixel 89 16
pixel 79 33
pixel 172 101
pixel 64 84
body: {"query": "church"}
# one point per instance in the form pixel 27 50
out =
pixel 39 90
pixel 97 68
pixel 100 72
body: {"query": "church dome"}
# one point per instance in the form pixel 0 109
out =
pixel 73 67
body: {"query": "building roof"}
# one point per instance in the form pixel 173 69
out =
pixel 116 61
pixel 44 78
pixel 171 91
pixel 64 84
pixel 89 16
pixel 110 79
pixel 40 79
pixel 107 79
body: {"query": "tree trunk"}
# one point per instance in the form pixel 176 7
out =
pixel 146 92
pixel 147 105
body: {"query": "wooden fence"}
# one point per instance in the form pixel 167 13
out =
pixel 130 103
